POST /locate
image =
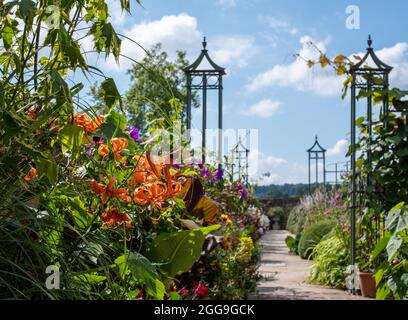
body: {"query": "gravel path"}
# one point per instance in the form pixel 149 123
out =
pixel 284 274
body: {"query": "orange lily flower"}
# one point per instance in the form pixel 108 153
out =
pixel 118 144
pixel 158 184
pixel 142 195
pixel 89 125
pixel 139 177
pixel 114 217
pixel 31 174
pixel 154 193
pixel 103 150
pixel 107 191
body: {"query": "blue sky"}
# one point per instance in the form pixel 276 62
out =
pixel 266 88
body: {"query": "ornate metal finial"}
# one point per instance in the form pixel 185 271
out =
pixel 316 137
pixel 369 41
pixel 205 43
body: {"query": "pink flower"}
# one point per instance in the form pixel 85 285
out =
pixel 200 289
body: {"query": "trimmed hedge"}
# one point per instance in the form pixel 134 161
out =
pixel 312 235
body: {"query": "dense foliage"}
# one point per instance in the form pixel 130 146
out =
pixel 381 174
pixel 312 235
pixel 320 224
pixel 88 210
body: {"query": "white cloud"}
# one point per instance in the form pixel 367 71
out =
pixel 324 82
pixel 265 108
pixel 297 74
pixel 273 170
pixel 397 57
pixel 279 25
pixel 179 32
pixel 233 50
pixel 339 149
pixel 174 32
pixel 261 164
pixel 118 17
pixel 227 3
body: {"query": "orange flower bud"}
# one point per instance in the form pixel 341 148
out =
pixel 103 150
pixel 31 175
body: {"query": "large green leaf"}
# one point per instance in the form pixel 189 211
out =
pixel 397 218
pixel 383 292
pixel 110 94
pixel 177 252
pixel 71 137
pixel 141 270
pixel 381 245
pixel 48 167
pixel 115 126
pixel 393 246
pixel 118 120
pixel 26 10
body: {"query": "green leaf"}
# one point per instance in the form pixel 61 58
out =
pixel 48 167
pixel 393 246
pixel 383 292
pixel 381 245
pixel 118 120
pixel 82 218
pixel 177 252
pixel 381 270
pixel 175 296
pixel 106 38
pixel 110 94
pixel 141 269
pixel 26 10
pixel 360 120
pixel 90 278
pixel 397 218
pixel 71 137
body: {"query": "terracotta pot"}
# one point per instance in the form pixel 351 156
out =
pixel 367 284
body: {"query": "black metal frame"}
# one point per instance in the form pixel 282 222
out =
pixel 363 79
pixel 338 172
pixel 205 75
pixel 240 153
pixel 317 152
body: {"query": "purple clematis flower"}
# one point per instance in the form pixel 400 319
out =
pixel 176 166
pixel 242 191
pixel 219 174
pixel 244 194
pixel 134 133
pixel 205 172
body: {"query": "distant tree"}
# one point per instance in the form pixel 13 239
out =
pixel 157 88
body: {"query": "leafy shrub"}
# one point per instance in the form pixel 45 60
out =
pixel 292 243
pixel 331 258
pixel 312 235
pixel 296 220
pixel 232 276
pixel 275 212
pixel 392 275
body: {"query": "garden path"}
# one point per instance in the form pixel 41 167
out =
pixel 284 274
